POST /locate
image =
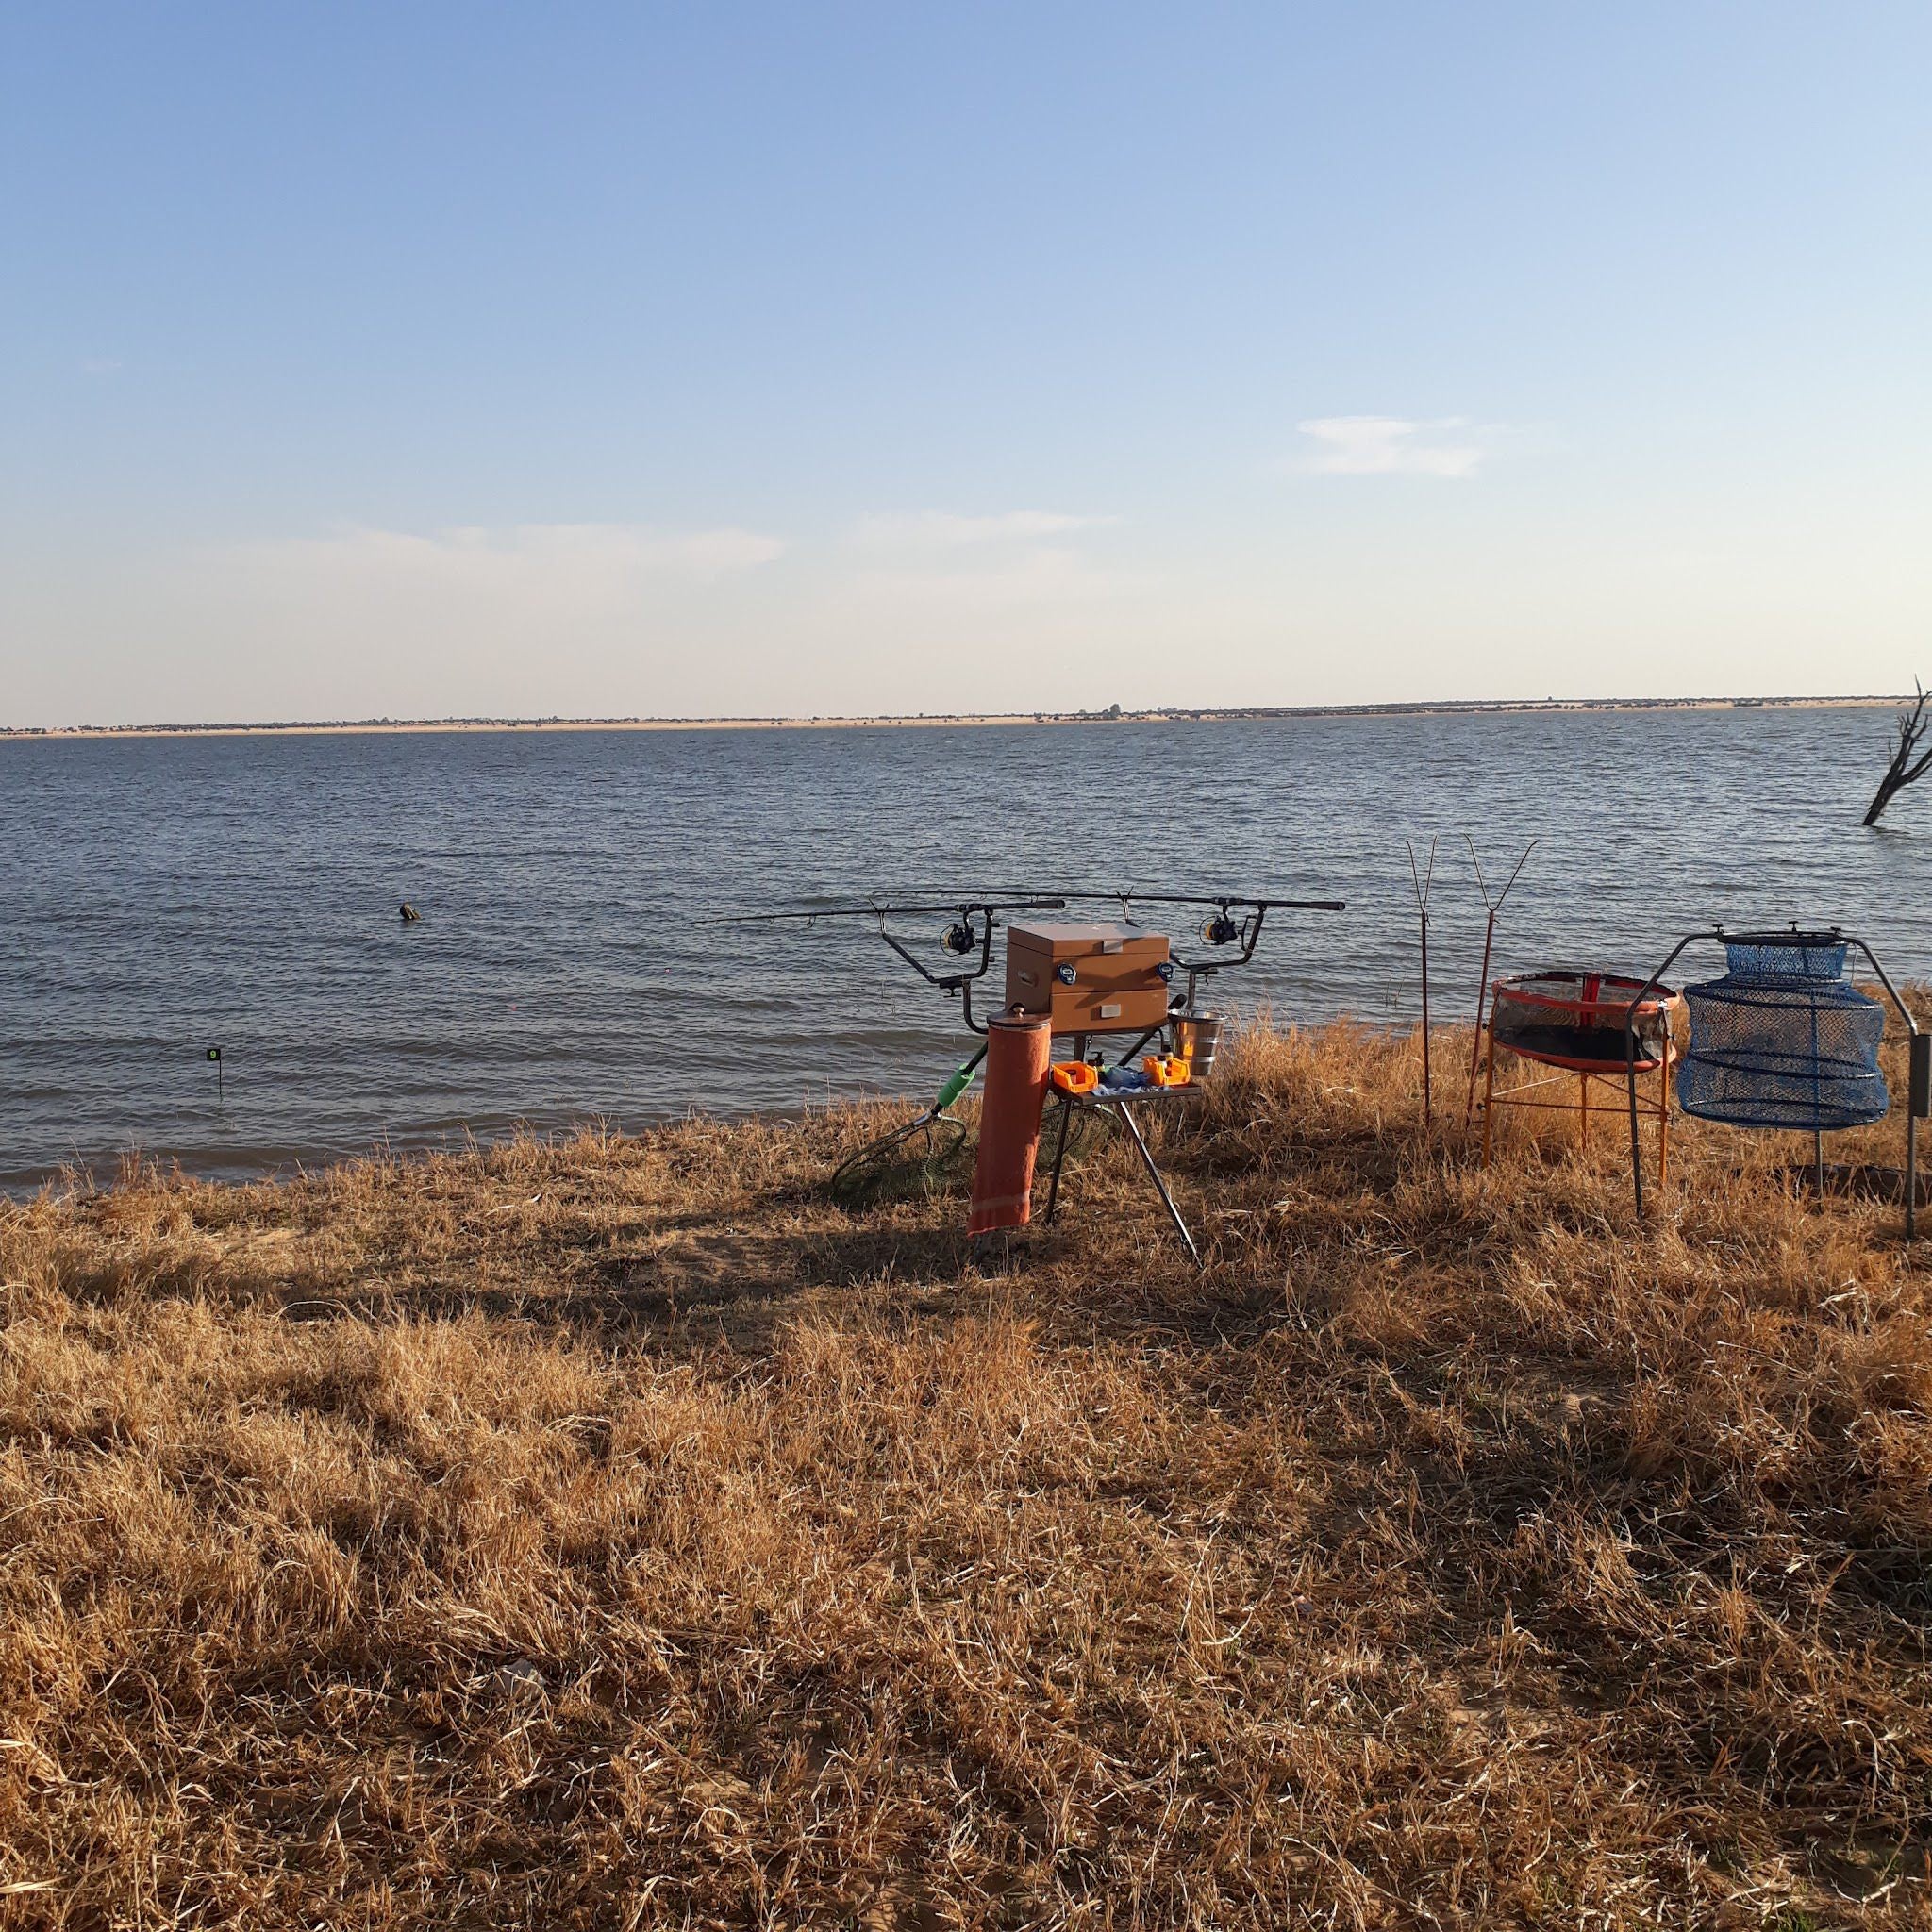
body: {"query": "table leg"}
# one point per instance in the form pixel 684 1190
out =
pixel 1180 1227
pixel 1059 1155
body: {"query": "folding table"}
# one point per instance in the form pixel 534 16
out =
pixel 1122 1102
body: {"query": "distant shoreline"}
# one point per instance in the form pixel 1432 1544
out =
pixel 1114 715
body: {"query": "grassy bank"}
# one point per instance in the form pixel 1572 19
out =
pixel 625 1534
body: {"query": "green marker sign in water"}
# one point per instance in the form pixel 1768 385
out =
pixel 215 1053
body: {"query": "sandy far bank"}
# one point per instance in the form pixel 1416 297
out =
pixel 952 720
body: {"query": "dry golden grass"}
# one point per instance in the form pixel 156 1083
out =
pixel 623 1534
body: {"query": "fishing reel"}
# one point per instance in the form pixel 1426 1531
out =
pixel 959 937
pixel 1222 930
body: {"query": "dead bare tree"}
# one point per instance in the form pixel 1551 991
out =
pixel 1912 726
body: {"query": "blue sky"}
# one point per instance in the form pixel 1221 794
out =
pixel 803 359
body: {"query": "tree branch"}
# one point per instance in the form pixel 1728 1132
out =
pixel 1904 768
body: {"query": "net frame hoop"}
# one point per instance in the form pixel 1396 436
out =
pixel 1515 991
pixel 1793 938
pixel 1594 1016
pixel 1771 995
pixel 1777 1064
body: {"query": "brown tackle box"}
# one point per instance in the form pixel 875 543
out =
pixel 1116 982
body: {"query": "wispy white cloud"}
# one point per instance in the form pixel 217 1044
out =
pixel 937 529
pixel 1040 576
pixel 494 581
pixel 1393 447
pixel 584 555
pixel 941 564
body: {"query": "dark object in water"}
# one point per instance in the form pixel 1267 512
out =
pixel 409 913
pixel 1908 763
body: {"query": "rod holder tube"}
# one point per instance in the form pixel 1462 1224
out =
pixel 1019 1053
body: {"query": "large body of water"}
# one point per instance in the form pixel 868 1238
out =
pixel 163 895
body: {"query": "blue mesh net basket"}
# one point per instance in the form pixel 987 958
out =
pixel 1783 1040
pixel 1808 956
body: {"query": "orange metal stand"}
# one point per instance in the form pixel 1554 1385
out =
pixel 1613 1079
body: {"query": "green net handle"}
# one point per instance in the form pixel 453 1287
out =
pixel 962 1079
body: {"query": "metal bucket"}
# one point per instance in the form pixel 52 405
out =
pixel 1195 1037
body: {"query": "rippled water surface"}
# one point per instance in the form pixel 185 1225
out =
pixel 162 896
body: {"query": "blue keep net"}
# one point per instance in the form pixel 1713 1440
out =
pixel 1783 1040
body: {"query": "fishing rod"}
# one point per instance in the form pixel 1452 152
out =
pixel 873 909
pixel 973 923
pixel 1233 928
